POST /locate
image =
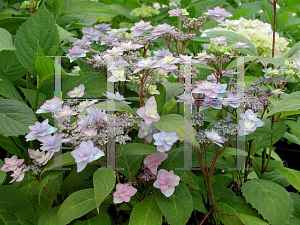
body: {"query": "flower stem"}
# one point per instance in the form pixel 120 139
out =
pixel 51 195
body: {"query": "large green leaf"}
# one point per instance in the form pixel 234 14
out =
pixel 65 159
pixel 6 42
pixel 15 117
pixel 275 61
pixel 291 138
pixel 39 31
pixel 251 220
pixel 161 98
pixel 101 219
pixel 15 207
pixel 118 106
pixel 2 174
pixel 63 34
pixel 232 38
pixel 7 88
pixel 271 200
pixel 292 176
pixel 130 165
pixel 176 123
pixel 49 217
pixel 10 65
pixel 177 208
pixel 104 182
pixel 237 62
pixel 146 212
pixel 294 49
pixel 137 149
pixel 76 205
pixel 12 23
pixel 296 199
pixel 8 144
pixel 172 90
pixel 31 94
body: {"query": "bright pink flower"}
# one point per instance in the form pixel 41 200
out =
pixel 154 160
pixel 45 157
pixel 124 193
pixel 11 164
pixel 166 182
pixel 78 92
pixel 218 14
pixel 149 111
pixel 175 12
pixel 18 175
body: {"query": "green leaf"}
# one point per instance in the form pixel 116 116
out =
pixel 130 165
pixel 10 65
pixel 55 5
pixel 119 106
pixel 198 203
pixel 251 220
pixel 177 208
pixel 104 183
pixel 50 217
pixel 136 149
pixel 12 23
pixel 101 219
pixel 234 206
pixel 15 207
pixel 2 174
pixel 271 200
pixel 160 99
pixel 7 88
pixel 291 138
pixel 174 160
pixel 172 90
pixel 296 199
pixel 65 159
pixel 294 49
pixel 122 9
pixel 259 133
pixel 76 205
pixel 63 34
pixel 202 40
pixel 195 3
pixel 169 106
pixel 6 42
pixel 274 61
pixel 39 31
pixel 9 145
pixel 146 212
pixel 237 62
pixel 15 117
pixel 176 123
pixel 30 95
pixel 292 176
pixel 232 151
pixel 203 66
pixel 289 103
pixel 232 38
pixel 282 19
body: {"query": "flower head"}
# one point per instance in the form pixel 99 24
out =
pixel 146 63
pixel 116 96
pixel 18 175
pixel 80 43
pixel 154 160
pixel 175 12
pixel 40 131
pixel 123 193
pixel 65 113
pixel 166 182
pixel 218 14
pixel 52 143
pixel 44 158
pixel 228 117
pixel 102 27
pixel 77 92
pixel 162 29
pixel 130 46
pixel 83 105
pixel 85 153
pixel 149 111
pixel 147 131
pixel 76 52
pixel 52 105
pixel 159 54
pixel 211 90
pixel 140 28
pixel 34 154
pixel 90 33
pixel 214 137
pixel 249 122
pixel 164 141
pixel 11 164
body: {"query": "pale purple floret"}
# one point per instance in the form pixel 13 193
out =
pixel 102 27
pixel 40 131
pixel 147 131
pixel 166 182
pixel 212 78
pixel 149 111
pixel 85 153
pixel 214 137
pixel 219 40
pixel 207 103
pixel 211 90
pixel 228 117
pixel 218 14
pixel 52 105
pixel 89 33
pixel 18 174
pixel 108 39
pixel 187 59
pixel 128 46
pixel 116 96
pixel 11 164
pixel 164 141
pixel 84 121
pixel 140 28
pixel 175 12
pixel 52 143
pixel 89 133
pixel 154 160
pixel 123 193
pixel 232 100
pixel 152 37
pixel 44 158
pixel 249 122
pixel 66 112
pixel 96 114
pixel 187 99
pixel 146 63
pixel 83 105
pixel 167 64
pixel 160 54
pixel 34 154
pixel 77 92
pixel 80 43
pixel 115 32
pixel 76 53
pixel 162 29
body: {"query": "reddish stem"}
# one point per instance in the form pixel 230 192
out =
pixel 206 217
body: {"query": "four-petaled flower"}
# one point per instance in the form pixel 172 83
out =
pixel 123 193
pixel 40 131
pixel 77 92
pixel 11 164
pixel 164 141
pixel 149 111
pixel 218 14
pixel 154 160
pixel 166 182
pixel 85 153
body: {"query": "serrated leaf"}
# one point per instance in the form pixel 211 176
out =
pixel 104 181
pixel 294 49
pixel 271 200
pixel 65 159
pixel 30 95
pixel 130 165
pixel 292 176
pixel 296 199
pixel 12 23
pixel 101 219
pixel 39 31
pixel 7 88
pixel 136 149
pixel 146 212
pixel 6 42
pixel 15 117
pixel 177 208
pixel 176 123
pixel 172 90
pixel 63 34
pixel 251 220
pixel 10 65
pixel 49 217
pixel 76 205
